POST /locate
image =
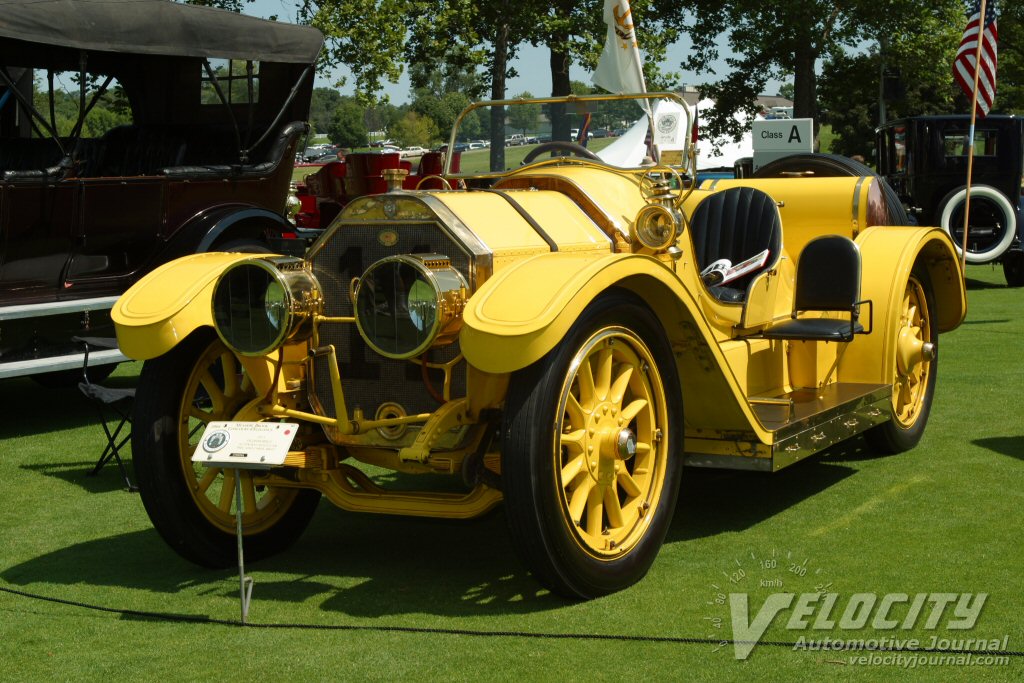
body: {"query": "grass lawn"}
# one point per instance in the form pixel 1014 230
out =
pixel 947 517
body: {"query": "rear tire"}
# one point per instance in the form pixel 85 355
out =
pixel 1013 268
pixel 913 383
pixel 587 514
pixel 192 507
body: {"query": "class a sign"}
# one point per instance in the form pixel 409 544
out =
pixel 777 138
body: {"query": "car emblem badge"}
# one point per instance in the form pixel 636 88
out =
pixel 388 238
pixel 390 208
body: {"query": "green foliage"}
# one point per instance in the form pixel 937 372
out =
pixel 524 117
pixel 1010 95
pixel 918 65
pixel 111 110
pixel 783 39
pixel 232 5
pixel 322 107
pixel 347 128
pixel 413 129
pixel 367 36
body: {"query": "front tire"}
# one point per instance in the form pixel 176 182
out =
pixel 915 370
pixel 191 506
pixel 993 222
pixel 593 451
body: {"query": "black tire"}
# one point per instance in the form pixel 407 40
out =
pixel 184 513
pixel 835 166
pixel 911 403
pixel 614 541
pixel 993 222
pixel 1013 267
pixel 244 245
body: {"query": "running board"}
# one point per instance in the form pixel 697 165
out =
pixel 802 422
pixel 52 364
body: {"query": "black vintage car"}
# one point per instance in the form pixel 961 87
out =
pixel 925 159
pixel 216 105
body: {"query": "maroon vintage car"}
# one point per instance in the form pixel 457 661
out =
pixel 218 103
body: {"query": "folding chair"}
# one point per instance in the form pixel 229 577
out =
pixel 113 406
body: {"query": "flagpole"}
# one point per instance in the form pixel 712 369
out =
pixel 970 134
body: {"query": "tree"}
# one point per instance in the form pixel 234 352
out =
pixel 413 129
pixel 322 107
pixel 775 39
pixel 908 73
pixel 232 5
pixel 347 128
pixel 1010 89
pixel 524 117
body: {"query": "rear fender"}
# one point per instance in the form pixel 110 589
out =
pixel 889 255
pixel 524 311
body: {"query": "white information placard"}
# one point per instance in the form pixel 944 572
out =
pixel 245 445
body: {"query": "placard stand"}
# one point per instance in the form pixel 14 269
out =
pixel 234 446
pixel 245 583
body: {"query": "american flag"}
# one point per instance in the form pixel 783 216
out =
pixel 964 65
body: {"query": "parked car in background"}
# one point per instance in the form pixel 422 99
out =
pixel 197 167
pixel 413 151
pixel 924 158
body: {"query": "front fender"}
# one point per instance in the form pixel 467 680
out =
pixel 522 312
pixel 168 304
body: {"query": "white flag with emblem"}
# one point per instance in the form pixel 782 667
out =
pixel 619 69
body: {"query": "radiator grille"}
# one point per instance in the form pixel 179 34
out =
pixel 368 378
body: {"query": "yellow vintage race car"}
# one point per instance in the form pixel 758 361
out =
pixel 561 335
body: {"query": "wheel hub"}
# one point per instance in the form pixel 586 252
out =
pixel 912 350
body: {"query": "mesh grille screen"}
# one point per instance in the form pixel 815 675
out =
pixel 367 378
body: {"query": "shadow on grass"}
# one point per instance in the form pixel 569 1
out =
pixel 78 473
pixel 716 501
pixel 1012 446
pixel 971 283
pixel 360 565
pixel 40 409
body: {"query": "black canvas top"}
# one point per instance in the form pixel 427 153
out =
pixel 156 27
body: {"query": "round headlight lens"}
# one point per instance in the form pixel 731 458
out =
pixel 259 304
pixel 655 227
pixel 406 304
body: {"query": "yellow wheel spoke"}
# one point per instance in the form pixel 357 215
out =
pixel 642 449
pixel 230 370
pixel 595 511
pixel 612 508
pixel 227 492
pixel 628 484
pixel 208 478
pixel 603 379
pixel 199 414
pixel 585 376
pixel 633 409
pixel 577 417
pixel 573 468
pixel 579 499
pixel 214 392
pixel 621 384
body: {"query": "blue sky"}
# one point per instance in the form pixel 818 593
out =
pixel 532 64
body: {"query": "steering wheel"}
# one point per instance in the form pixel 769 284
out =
pixel 578 150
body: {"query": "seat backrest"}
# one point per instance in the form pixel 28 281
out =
pixel 828 275
pixel 736 224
